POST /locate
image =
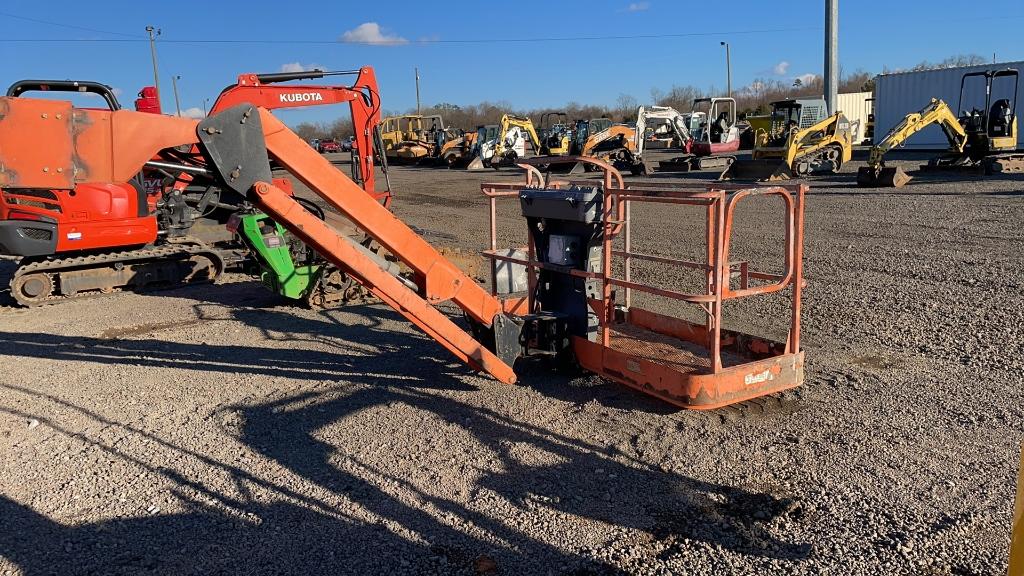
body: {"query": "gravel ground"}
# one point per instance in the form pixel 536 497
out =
pixel 215 430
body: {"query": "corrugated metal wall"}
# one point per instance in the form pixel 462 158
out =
pixel 855 106
pixel 896 95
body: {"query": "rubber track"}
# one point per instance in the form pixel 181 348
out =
pixel 54 266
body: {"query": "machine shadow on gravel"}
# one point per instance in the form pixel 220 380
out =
pixel 591 482
pixel 300 533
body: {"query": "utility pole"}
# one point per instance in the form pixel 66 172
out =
pixel 174 84
pixel 205 100
pixel 831 55
pixel 728 70
pixel 417 91
pixel 153 33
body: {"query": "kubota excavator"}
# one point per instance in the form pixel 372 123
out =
pixel 577 307
pixel 981 138
pixel 99 237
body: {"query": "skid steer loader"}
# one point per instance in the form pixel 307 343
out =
pixel 800 141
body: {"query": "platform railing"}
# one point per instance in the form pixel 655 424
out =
pixel 720 202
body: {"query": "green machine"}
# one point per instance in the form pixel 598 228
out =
pixel 288 267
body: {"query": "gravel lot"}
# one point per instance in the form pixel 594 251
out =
pixel 215 430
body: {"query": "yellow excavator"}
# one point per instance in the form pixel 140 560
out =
pixel 982 139
pixel 502 147
pixel 555 134
pixel 800 141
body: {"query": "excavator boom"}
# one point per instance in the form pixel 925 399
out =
pixel 877 174
pixel 362 96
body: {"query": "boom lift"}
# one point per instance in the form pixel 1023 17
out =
pixel 799 142
pixel 571 312
pixel 138 234
pixel 979 139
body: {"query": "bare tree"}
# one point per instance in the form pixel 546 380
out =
pixel 625 106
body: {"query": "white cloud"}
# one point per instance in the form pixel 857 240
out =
pixel 193 113
pixel 371 33
pixel 638 6
pixel 298 67
pixel 781 68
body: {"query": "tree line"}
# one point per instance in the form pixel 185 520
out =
pixel 754 98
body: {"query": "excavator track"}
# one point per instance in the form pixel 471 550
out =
pixel 56 280
pixel 1005 164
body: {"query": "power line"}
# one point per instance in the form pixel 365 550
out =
pixel 422 41
pixel 69 26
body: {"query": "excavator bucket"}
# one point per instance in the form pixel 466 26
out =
pixel 758 170
pixel 885 177
pixel 476 164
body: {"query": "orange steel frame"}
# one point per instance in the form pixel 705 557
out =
pixel 769 366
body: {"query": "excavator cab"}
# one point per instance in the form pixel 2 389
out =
pixel 555 134
pixel 990 125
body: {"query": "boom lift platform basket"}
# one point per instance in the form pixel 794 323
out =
pixel 693 365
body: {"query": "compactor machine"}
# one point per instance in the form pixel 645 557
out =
pixel 572 297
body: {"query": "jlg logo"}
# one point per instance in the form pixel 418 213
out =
pixel 301 97
pixel 758 378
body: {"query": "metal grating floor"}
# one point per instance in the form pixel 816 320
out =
pixel 679 355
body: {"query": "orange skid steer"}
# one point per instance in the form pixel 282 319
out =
pixel 574 309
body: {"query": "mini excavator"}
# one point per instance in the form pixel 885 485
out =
pixel 575 304
pixel 980 139
pixel 94 237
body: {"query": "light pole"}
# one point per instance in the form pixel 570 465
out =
pixel 205 100
pixel 174 84
pixel 728 70
pixel 417 91
pixel 153 33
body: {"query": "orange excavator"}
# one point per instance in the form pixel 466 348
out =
pixel 96 238
pixel 575 303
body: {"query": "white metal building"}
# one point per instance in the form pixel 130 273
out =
pixel 900 93
pixel 855 106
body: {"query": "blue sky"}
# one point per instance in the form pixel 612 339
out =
pixel 873 34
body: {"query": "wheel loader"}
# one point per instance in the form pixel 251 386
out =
pixel 980 139
pixel 800 141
